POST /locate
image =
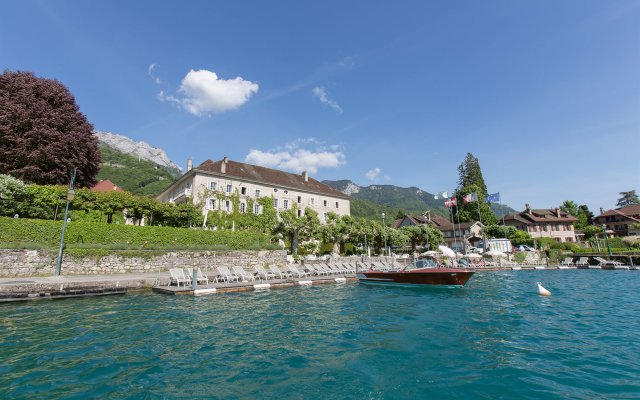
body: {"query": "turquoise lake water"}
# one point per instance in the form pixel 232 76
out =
pixel 494 339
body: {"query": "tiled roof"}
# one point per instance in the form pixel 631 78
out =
pixel 105 186
pixel 531 216
pixel 269 176
pixel 632 212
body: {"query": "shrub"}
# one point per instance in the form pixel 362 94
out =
pixel 94 235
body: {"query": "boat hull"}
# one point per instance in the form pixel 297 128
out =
pixel 426 276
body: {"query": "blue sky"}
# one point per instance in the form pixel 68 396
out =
pixel 545 93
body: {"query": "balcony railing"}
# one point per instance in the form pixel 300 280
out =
pixel 179 196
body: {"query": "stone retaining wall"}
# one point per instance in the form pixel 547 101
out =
pixel 22 263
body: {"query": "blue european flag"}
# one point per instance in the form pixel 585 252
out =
pixel 493 198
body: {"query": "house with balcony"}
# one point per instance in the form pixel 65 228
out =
pixel 619 221
pixel 540 223
pixel 213 182
pixel 456 236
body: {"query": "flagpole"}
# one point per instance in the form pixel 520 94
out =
pixel 478 203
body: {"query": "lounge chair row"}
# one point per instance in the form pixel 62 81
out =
pixel 584 262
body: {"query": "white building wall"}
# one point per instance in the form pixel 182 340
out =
pixel 200 183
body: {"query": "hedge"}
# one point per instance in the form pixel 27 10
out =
pixel 85 234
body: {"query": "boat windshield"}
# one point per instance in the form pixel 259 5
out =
pixel 422 263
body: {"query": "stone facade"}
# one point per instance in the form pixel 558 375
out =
pixel 205 183
pixel 24 263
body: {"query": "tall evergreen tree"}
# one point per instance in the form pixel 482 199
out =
pixel 471 181
pixel 629 198
pixel 43 134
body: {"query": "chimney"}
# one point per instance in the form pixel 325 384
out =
pixel 305 176
pixel 601 210
pixel 223 165
pixel 558 212
pixel 189 164
pixel 527 208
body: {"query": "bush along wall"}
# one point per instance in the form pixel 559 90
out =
pixel 46 234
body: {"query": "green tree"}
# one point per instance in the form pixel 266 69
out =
pixel 296 228
pixel 498 231
pixel 337 230
pixel 471 181
pixel 581 212
pixel 422 235
pixel 12 192
pixel 592 231
pixel 629 198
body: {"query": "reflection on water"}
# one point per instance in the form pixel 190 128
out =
pixel 495 338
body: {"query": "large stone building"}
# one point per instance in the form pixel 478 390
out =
pixel 206 182
pixel 620 220
pixel 549 223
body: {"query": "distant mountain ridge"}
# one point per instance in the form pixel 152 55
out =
pixel 142 150
pixel 412 200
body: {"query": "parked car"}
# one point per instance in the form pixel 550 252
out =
pixel 524 247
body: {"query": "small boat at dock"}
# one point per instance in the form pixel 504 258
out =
pixel 417 274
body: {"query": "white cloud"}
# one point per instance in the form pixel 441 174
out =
pixel 373 173
pixel 152 74
pixel 204 93
pixel 292 157
pixel 322 95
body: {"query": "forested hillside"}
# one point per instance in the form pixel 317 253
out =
pixel 139 177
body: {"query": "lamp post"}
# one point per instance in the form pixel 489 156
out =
pixel 606 239
pixel 70 195
pixel 384 227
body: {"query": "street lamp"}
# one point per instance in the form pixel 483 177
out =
pixel 70 195
pixel 384 227
pixel 606 238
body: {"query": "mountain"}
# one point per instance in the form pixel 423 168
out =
pixel 411 200
pixel 141 150
pixel 135 166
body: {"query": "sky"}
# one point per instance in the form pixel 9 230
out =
pixel 546 94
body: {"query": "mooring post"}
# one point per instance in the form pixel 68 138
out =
pixel 194 278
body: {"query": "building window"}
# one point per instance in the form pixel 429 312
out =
pixel 257 193
pixel 311 200
pixel 212 185
pixel 299 199
pixel 243 190
pixel 299 213
pixel 243 207
pixel 285 204
pixel 256 209
pixel 212 204
pixel 275 203
pixel 227 205
pixel 325 203
pixel 228 188
pixel 337 204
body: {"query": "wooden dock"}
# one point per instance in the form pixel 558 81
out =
pixel 227 287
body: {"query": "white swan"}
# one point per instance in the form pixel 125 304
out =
pixel 542 291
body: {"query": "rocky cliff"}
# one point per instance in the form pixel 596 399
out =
pixel 142 150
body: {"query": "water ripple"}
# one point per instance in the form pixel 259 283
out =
pixel 496 339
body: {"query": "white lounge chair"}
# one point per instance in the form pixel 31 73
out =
pixel 582 262
pixel 178 276
pixel 335 269
pixel 263 273
pixel 202 277
pixel 294 271
pixel 242 274
pixel 567 261
pixel 227 275
pixel 276 271
pixel 602 262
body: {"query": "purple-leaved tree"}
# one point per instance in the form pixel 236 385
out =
pixel 43 134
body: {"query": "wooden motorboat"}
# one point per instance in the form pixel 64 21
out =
pixel 419 276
